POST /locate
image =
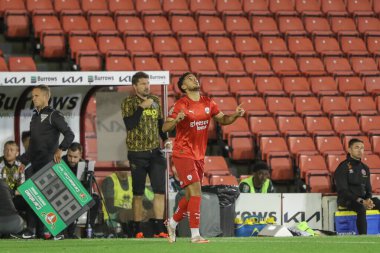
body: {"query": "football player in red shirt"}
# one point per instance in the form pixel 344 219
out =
pixel 191 116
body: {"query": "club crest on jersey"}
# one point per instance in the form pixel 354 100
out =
pixel 207 110
pixel 189 177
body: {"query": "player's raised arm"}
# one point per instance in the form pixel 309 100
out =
pixel 223 119
pixel 170 123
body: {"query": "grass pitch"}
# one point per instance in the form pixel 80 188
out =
pixel 334 244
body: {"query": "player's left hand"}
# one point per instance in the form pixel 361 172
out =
pixel 57 156
pixel 240 110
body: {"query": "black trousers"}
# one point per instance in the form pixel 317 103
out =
pixel 361 221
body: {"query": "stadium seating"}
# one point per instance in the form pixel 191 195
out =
pixel 300 67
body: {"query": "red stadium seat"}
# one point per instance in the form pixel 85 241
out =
pixel 337 66
pixel 181 24
pixel 372 161
pixel 60 5
pixel 375 141
pixel 228 5
pixel 240 126
pixel 362 105
pixel 81 41
pixel 241 85
pixel 216 85
pixel 368 25
pixel 372 84
pixel 317 26
pixel 16 23
pixel 301 46
pixel 223 180
pixel 308 7
pixel 3 65
pixel 373 45
pixel 333 7
pixel 263 126
pixel 164 45
pixel 357 8
pixel 210 25
pixel 296 86
pixel 6 5
pixel 327 46
pixel 253 105
pixel 364 66
pixel 284 66
pixel 291 25
pixel 237 25
pixel 33 5
pixel 273 46
pixel 335 105
pixel 193 45
pixel 174 64
pixel 100 21
pixel 272 145
pixel 138 45
pixel 280 106
pixel 148 6
pixel 311 66
pixel 53 44
pixel 345 125
pixel 156 25
pixel 247 46
pixel 370 124
pixel 220 46
pixel 350 85
pixel 21 63
pixel 329 145
pixel 281 167
pixel 109 41
pixel 241 146
pixel 254 7
pixel 333 160
pixel 301 145
pixel 205 65
pixel 201 5
pixel 146 63
pixel 269 86
pixel 281 6
pixel 317 125
pixel 307 106
pixel 323 85
pixel 215 165
pixel 174 5
pixel 230 65
pixel 257 66
pixel 290 125
pixel 375 180
pixel 44 20
pixel 120 5
pixel 129 24
pixel 90 5
pixel 343 26
pixel 309 163
pixel 118 61
pixel 73 21
pixel 318 181
pixel 264 26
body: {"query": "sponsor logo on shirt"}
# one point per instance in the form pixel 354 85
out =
pixel 201 125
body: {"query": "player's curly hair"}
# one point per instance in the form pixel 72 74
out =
pixel 181 79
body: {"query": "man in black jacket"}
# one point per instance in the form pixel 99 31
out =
pixel 45 128
pixel 352 179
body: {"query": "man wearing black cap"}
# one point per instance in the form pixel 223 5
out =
pixel 259 182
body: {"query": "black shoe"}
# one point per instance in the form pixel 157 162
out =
pixel 25 234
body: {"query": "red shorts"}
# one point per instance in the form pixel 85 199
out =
pixel 189 171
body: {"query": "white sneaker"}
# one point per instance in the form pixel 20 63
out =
pixel 199 239
pixel 171 232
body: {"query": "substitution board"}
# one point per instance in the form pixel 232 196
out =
pixel 56 196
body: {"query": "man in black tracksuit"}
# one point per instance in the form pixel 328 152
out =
pixel 45 128
pixel 352 179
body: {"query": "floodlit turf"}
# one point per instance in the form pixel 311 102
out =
pixel 333 244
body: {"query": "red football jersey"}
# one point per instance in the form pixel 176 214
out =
pixel 191 132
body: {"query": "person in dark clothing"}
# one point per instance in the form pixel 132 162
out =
pixel 259 182
pixel 142 115
pixel 352 180
pixel 45 128
pixel 24 157
pixel 72 158
pixel 10 221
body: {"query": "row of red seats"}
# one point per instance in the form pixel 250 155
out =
pixel 315 7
